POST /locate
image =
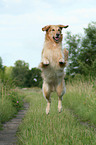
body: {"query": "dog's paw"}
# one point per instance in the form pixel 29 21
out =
pixel 45 62
pixel 59 109
pixel 61 61
pixel 47 110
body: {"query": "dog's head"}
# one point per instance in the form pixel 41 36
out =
pixel 53 32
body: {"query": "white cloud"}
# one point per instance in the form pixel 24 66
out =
pixel 12 1
pixel 21 22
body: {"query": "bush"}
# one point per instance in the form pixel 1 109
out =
pixel 16 99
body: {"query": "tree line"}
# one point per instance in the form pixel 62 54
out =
pixel 82 61
pixel 82 52
pixel 20 75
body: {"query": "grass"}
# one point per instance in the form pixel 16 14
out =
pixel 10 104
pixel 6 111
pixel 81 99
pixel 63 128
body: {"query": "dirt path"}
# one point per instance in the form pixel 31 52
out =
pixel 8 134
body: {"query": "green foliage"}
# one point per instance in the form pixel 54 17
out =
pixel 33 78
pixel 6 76
pixel 88 52
pixel 2 68
pixel 73 44
pixel 10 103
pixel 19 72
pixel 7 110
pixel 82 52
pixel 8 72
pixel 25 77
pixel 1 65
pixel 16 99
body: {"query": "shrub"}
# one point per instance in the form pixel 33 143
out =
pixel 16 99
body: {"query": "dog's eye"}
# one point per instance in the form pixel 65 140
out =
pixel 53 30
pixel 58 29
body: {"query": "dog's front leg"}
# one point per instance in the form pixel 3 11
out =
pixel 63 61
pixel 44 63
pixel 66 52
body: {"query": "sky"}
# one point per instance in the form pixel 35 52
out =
pixel 21 22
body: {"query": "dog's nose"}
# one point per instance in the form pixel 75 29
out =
pixel 57 35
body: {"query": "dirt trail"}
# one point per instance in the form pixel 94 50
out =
pixel 8 134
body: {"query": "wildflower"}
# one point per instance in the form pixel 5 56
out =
pixel 17 101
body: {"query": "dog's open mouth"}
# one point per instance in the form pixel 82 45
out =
pixel 56 38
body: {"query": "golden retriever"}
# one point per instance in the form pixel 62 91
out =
pixel 53 61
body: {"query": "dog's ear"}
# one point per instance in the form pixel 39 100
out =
pixel 63 26
pixel 46 28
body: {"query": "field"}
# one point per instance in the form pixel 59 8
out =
pixel 75 125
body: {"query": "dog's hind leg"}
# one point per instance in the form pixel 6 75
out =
pixel 46 93
pixel 60 91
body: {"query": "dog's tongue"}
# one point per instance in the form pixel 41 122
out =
pixel 56 38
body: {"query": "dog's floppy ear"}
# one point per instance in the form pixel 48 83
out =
pixel 63 26
pixel 46 28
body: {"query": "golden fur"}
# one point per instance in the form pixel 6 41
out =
pixel 53 61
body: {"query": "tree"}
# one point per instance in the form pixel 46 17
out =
pixel 88 52
pixel 82 52
pixel 1 65
pixel 73 44
pixel 19 72
pixel 33 78
pixel 2 70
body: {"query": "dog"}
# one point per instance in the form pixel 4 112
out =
pixel 53 61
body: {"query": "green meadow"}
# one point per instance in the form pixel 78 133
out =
pixel 75 125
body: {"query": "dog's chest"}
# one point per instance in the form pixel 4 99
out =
pixel 53 73
pixel 54 56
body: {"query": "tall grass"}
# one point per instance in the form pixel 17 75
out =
pixel 11 100
pixel 60 128
pixel 81 99
pixel 6 110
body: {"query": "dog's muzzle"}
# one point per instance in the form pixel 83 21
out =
pixel 57 37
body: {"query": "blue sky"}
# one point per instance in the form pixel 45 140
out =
pixel 21 22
